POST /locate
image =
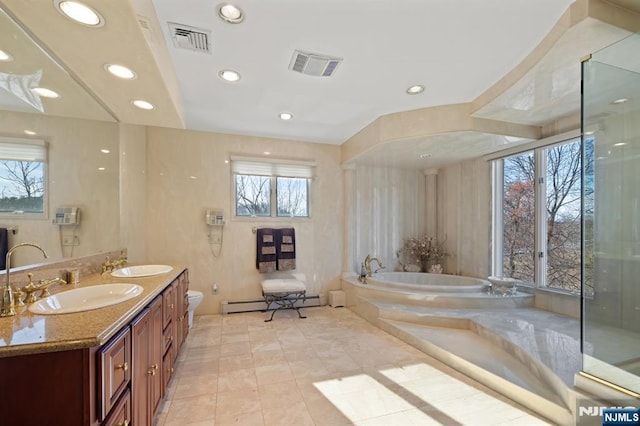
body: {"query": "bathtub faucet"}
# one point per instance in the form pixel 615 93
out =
pixel 367 264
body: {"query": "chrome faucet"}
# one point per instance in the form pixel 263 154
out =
pixel 367 264
pixel 7 308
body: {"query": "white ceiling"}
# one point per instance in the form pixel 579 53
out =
pixel 456 49
pixel 463 51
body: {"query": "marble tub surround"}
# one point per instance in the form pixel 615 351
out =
pixel 28 333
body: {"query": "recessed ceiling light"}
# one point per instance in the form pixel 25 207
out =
pixel 286 116
pixel 589 133
pixel 620 101
pixel 423 156
pixel 105 151
pixel 267 153
pixel 226 161
pixel 230 13
pixel 620 144
pixel 80 12
pixel 44 92
pixel 229 75
pixel 120 71
pixel 414 90
pixel 143 104
pixel 5 57
pixel 29 132
pixel 100 168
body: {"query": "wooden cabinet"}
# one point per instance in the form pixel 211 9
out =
pixel 121 383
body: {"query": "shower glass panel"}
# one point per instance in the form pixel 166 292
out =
pixel 611 215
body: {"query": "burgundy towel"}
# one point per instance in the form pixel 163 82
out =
pixel 285 249
pixel 265 250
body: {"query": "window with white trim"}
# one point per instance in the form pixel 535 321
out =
pixel 271 187
pixel 22 176
pixel 537 216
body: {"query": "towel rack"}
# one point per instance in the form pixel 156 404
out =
pixel 12 229
pixel 254 230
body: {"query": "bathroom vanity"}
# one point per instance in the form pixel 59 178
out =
pixel 108 366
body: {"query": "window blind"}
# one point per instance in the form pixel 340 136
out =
pixel 272 167
pixel 16 150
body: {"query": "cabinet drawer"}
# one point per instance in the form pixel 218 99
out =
pixel 114 371
pixel 121 414
pixel 169 303
pixel 167 337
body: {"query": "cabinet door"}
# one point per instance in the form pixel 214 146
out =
pixel 114 369
pixel 155 356
pixel 141 332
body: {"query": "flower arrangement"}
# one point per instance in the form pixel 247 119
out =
pixel 424 252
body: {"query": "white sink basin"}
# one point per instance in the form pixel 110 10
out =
pixel 141 271
pixel 86 298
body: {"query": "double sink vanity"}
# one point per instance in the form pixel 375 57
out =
pixel 100 352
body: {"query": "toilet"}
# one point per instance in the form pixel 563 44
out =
pixel 195 298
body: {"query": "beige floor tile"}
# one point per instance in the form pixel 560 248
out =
pixel 196 367
pixel 274 373
pixel 191 410
pixel 261 358
pixel 280 395
pixel 237 380
pixel 236 348
pixel 235 362
pixel 242 419
pixel 234 338
pixel 234 406
pixel 295 414
pixel 199 385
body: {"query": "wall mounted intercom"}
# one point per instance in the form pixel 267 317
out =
pixel 67 216
pixel 215 221
pixel 214 217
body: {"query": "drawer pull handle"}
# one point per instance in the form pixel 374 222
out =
pixel 123 367
pixel 124 423
pixel 152 370
pixel 171 306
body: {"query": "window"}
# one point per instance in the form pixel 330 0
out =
pixel 537 213
pixel 22 176
pixel 271 188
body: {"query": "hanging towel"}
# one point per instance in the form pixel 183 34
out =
pixel 4 247
pixel 266 250
pixel 286 249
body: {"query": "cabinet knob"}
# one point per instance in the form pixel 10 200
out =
pixel 152 370
pixel 171 306
pixel 123 367
pixel 124 423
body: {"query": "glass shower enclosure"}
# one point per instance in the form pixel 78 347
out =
pixel 611 216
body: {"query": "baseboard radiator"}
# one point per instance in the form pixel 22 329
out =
pixel 236 306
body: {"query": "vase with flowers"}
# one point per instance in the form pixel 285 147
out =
pixel 424 252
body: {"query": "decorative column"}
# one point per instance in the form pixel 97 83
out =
pixel 431 202
pixel 350 237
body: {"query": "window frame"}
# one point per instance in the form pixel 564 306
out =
pixel 43 148
pixel 539 149
pixel 273 169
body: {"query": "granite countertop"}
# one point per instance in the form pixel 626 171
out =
pixel 28 333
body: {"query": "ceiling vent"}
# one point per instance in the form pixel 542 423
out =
pixel 313 64
pixel 190 38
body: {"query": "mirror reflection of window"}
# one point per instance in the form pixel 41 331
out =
pixel 22 176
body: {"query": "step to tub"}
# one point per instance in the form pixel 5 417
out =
pixel 486 363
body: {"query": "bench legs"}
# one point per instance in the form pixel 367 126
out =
pixel 284 301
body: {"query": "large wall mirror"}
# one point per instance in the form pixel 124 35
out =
pixel 82 145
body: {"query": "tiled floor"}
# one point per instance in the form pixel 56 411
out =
pixel 332 368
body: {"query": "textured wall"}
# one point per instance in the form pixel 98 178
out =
pixel 187 174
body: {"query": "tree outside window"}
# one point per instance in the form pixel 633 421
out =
pixel 21 186
pixel 559 177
